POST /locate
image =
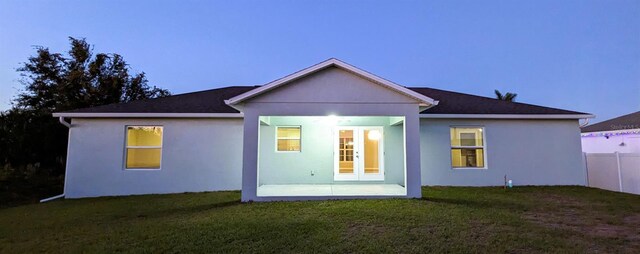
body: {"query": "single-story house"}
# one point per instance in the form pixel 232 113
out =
pixel 620 134
pixel 330 131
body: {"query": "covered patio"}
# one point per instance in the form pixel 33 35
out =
pixel 332 131
pixel 301 156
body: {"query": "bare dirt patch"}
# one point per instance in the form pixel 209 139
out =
pixel 568 213
pixel 357 229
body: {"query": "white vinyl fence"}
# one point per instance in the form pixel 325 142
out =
pixel 614 171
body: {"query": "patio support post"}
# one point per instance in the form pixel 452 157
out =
pixel 250 156
pixel 412 153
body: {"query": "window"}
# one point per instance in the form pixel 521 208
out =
pixel 288 139
pixel 143 147
pixel 467 147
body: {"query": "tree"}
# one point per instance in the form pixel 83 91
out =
pixel 52 82
pixel 505 97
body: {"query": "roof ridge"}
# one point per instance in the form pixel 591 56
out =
pixel 616 118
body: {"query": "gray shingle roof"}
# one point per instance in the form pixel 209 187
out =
pixel 207 101
pixel 212 101
pixel 630 121
pixel 460 103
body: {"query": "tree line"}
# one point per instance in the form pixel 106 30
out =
pixel 32 142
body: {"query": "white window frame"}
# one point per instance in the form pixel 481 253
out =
pixel 126 147
pixel 278 138
pixel 483 147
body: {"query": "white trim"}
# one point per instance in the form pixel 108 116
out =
pixel 127 147
pixel 381 174
pixel 619 170
pixel 241 115
pixel 507 116
pixel 278 138
pixel 358 160
pixel 63 122
pixel 143 169
pixel 149 115
pixel 337 176
pixel 404 153
pixel 52 198
pixel 425 101
pixel 483 147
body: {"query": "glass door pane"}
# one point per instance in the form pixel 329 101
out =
pixel 372 151
pixel 345 152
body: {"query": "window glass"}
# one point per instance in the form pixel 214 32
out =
pixel 289 132
pixel 288 139
pixel 467 158
pixel 288 145
pixel 144 147
pixel 371 152
pixel 467 147
pixel 144 136
pixel 466 137
pixel 143 158
pixel 346 152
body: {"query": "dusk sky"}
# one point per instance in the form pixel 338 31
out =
pixel 578 55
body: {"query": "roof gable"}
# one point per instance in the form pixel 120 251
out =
pixel 334 86
pixel 422 99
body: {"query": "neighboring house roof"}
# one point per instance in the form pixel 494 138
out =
pixel 625 122
pixel 332 62
pixel 212 103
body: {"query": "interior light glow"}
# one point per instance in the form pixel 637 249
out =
pixel 374 135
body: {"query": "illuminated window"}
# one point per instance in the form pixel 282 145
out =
pixel 467 147
pixel 143 147
pixel 288 139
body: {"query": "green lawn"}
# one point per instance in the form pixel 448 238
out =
pixel 452 219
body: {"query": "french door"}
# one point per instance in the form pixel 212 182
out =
pixel 358 154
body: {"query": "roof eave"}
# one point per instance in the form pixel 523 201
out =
pixel 147 115
pixel 508 116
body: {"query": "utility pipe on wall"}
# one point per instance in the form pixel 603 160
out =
pixel 586 121
pixel 68 125
pixel 63 122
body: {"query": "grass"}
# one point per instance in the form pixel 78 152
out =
pixel 446 219
pixel 21 191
